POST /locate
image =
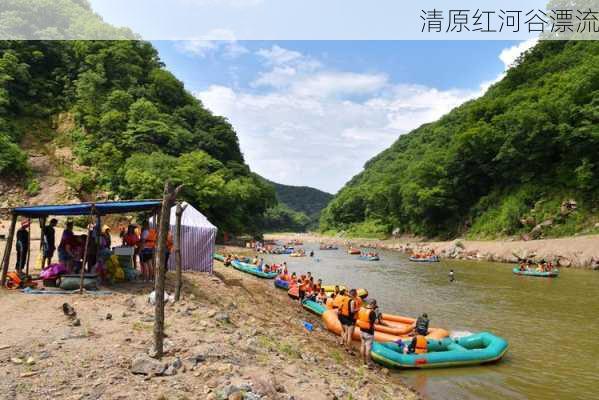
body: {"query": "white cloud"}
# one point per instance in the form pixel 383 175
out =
pixel 309 125
pixel 318 141
pixel 508 57
pixel 277 55
pixel 217 40
pixel 338 83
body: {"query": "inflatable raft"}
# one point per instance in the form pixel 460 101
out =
pixel 369 258
pixel 329 289
pixel 253 270
pixel 399 329
pixel 293 292
pixel 219 257
pixel 541 274
pixel 354 251
pixel 479 348
pixel 425 259
pixel 314 307
pixel 329 248
pixel 281 283
pixel 297 255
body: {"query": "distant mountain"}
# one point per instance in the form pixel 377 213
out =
pixel 298 207
pixel 304 199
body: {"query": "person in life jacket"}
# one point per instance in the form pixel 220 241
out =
pixel 303 287
pixel 419 345
pixel 358 303
pixel 149 239
pixel 420 327
pixel 367 317
pixel 346 317
pixel 321 297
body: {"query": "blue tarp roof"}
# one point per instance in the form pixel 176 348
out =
pixel 109 207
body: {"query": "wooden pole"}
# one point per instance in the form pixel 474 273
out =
pixel 7 249
pixel 179 283
pixel 82 272
pixel 168 200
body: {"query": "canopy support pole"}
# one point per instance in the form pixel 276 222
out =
pixel 179 282
pixel 8 247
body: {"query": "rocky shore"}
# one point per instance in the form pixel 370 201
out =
pixel 576 252
pixel 231 337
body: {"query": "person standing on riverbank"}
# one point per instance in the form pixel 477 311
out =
pixel 367 317
pixel 22 245
pixel 49 242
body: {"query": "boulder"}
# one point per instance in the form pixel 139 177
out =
pixel 564 262
pixel 143 364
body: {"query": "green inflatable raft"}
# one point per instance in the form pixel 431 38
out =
pixel 219 257
pixel 251 269
pixel 539 274
pixel 479 348
pixel 314 307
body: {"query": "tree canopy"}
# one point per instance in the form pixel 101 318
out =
pixel 135 126
pixel 532 137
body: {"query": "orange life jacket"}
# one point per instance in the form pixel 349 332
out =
pixel 421 344
pixel 345 306
pixel 363 319
pixel 151 239
pixel 338 301
pixel 357 306
pixel 329 303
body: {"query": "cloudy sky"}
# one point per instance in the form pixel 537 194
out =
pixel 313 112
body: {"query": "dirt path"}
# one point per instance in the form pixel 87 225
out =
pixel 231 331
pixel 578 251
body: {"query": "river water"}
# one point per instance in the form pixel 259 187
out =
pixel 550 324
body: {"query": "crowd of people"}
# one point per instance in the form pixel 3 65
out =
pixel 92 249
pixel 542 266
pixel 354 311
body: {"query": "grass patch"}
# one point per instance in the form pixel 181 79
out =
pixel 282 347
pixel 142 326
pixel 336 356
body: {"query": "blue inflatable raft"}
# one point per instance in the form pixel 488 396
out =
pixel 427 259
pixel 479 348
pixel 281 284
pixel 253 270
pixel 540 274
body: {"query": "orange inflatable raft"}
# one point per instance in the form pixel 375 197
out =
pixel 399 328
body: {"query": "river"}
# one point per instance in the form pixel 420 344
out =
pixel 550 323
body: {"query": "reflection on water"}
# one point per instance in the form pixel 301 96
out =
pixel 551 324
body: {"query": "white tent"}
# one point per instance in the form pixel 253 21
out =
pixel 197 240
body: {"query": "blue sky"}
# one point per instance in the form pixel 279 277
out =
pixel 313 112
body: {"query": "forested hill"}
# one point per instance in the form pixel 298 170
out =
pixel 502 164
pixel 128 123
pixel 304 199
pixel 298 208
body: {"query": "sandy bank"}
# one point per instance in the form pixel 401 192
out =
pixel 578 252
pixel 230 331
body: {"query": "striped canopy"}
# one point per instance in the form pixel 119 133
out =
pixel 197 240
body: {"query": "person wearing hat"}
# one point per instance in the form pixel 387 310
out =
pixel 49 242
pixel 22 245
pixel 367 317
